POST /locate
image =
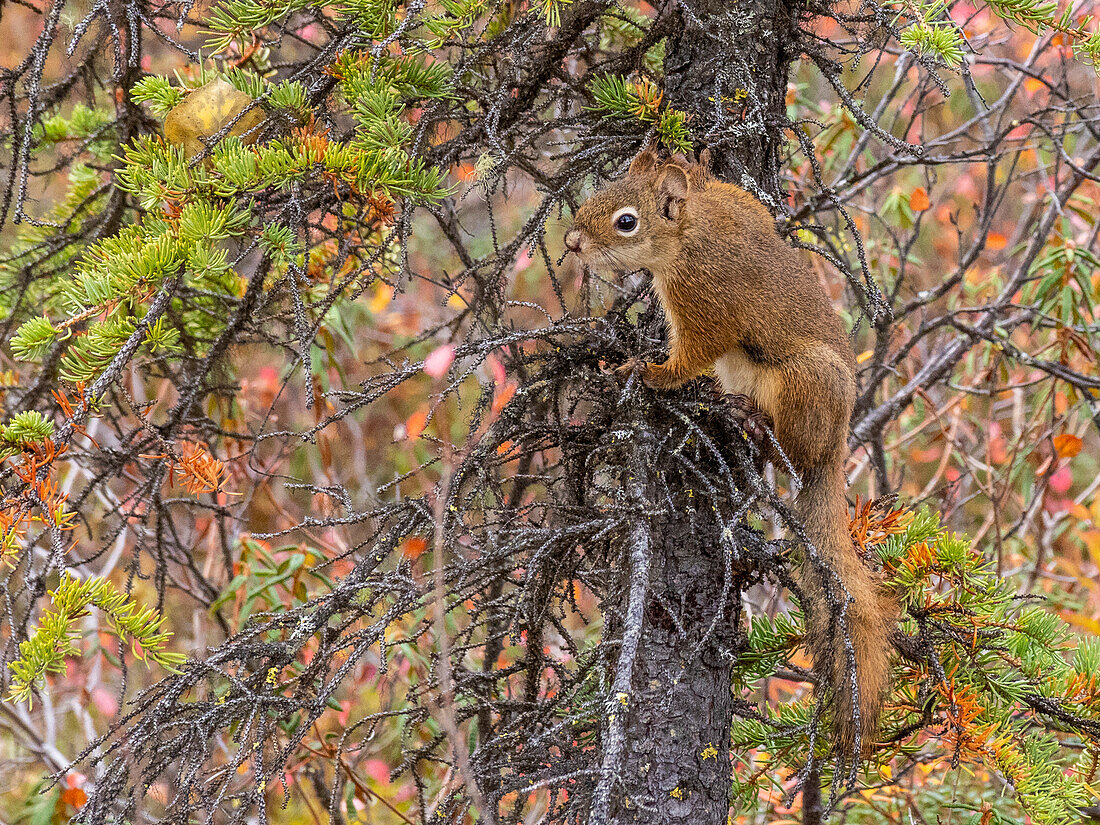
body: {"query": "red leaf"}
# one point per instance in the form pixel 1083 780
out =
pixel 378 770
pixel 1061 480
pixel 437 364
pixel 503 397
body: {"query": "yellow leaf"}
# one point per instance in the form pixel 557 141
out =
pixel 1092 542
pixel 381 298
pixel 205 112
pixel 864 356
pixel 1084 622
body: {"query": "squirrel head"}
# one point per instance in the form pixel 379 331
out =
pixel 636 222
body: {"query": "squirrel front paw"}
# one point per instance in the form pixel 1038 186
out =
pixel 655 376
pixel 632 366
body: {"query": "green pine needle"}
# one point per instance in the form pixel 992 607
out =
pixel 55 638
pixel 941 40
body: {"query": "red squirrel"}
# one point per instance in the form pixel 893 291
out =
pixel 738 298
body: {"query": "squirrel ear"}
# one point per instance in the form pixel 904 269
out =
pixel 699 171
pixel 672 190
pixel 643 162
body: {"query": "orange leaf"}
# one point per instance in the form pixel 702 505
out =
pixel 919 201
pixel 1067 445
pixel 415 424
pixel 1078 511
pixel 995 241
pixel 414 547
pixel 503 397
pixel 74 796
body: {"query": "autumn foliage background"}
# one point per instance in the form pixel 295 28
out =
pixel 1004 451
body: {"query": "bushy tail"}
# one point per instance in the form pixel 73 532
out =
pixel 867 622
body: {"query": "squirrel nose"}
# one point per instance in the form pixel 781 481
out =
pixel 573 240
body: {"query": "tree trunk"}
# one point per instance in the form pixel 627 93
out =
pixel 726 64
pixel 676 767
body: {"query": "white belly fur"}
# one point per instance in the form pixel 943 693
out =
pixel 740 376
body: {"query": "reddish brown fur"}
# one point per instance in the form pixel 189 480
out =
pixel 738 298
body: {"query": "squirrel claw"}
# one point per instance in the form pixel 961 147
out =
pixel 740 402
pixel 755 422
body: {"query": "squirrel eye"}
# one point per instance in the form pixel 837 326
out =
pixel 625 221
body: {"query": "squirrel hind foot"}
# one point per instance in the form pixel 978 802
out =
pixel 754 422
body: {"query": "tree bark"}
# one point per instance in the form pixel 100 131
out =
pixel 727 65
pixel 676 767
